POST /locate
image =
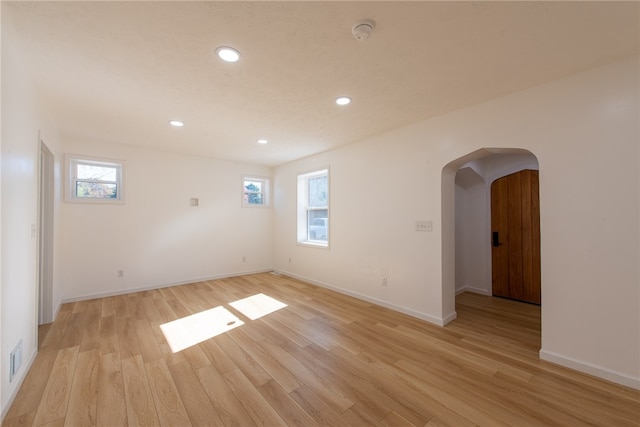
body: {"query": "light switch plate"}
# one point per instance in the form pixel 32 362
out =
pixel 424 225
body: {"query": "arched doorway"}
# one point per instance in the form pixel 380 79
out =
pixel 466 218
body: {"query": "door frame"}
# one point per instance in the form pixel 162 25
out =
pixel 45 233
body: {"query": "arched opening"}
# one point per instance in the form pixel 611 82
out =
pixel 466 219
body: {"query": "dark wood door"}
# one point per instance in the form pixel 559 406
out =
pixel 515 239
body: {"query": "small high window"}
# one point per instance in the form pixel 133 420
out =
pixel 94 180
pixel 313 208
pixel 255 191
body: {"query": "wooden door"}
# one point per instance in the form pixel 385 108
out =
pixel 515 238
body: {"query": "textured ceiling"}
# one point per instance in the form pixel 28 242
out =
pixel 117 72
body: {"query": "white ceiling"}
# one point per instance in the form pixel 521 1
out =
pixel 117 72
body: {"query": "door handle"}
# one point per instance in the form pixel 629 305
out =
pixel 495 237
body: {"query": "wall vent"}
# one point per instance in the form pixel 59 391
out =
pixel 15 360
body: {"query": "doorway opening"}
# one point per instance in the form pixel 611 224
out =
pixel 466 219
pixel 45 236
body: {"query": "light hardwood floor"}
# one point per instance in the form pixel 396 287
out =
pixel 324 359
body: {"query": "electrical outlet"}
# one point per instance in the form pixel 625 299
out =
pixel 384 280
pixel 120 273
pixel 244 259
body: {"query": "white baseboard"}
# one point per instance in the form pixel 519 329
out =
pixel 56 311
pixel 157 286
pixel 449 317
pixel 474 290
pixel 423 316
pixel 591 369
pixel 24 369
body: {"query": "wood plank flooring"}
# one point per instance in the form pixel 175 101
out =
pixel 324 359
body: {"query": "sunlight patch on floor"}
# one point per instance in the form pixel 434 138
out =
pixel 256 306
pixel 199 327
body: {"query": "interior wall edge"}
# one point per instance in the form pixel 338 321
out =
pixel 158 286
pixel 401 309
pixel 591 369
pixel 473 290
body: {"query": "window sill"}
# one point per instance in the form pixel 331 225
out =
pixel 255 206
pixel 314 244
pixel 94 201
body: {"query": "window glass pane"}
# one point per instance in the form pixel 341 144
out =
pixel 253 186
pixel 96 190
pixel 318 191
pixel 313 208
pixel 318 224
pixel 253 198
pixel 101 173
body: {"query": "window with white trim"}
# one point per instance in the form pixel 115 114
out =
pixel 93 180
pixel 255 191
pixel 313 208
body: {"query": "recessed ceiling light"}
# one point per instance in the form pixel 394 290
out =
pixel 343 100
pixel 176 123
pixel 228 54
pixel 262 141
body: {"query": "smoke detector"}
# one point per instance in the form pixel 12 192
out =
pixel 362 30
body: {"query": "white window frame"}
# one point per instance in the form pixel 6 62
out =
pixel 266 191
pixel 71 163
pixel 304 208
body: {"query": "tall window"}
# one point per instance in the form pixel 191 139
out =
pixel 94 180
pixel 313 208
pixel 255 191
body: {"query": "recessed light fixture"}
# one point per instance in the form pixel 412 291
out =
pixel 262 141
pixel 228 54
pixel 176 123
pixel 343 100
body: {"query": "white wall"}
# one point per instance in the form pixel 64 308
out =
pixel 584 131
pixel 23 123
pixel 156 238
pixel 473 259
pixel 377 194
